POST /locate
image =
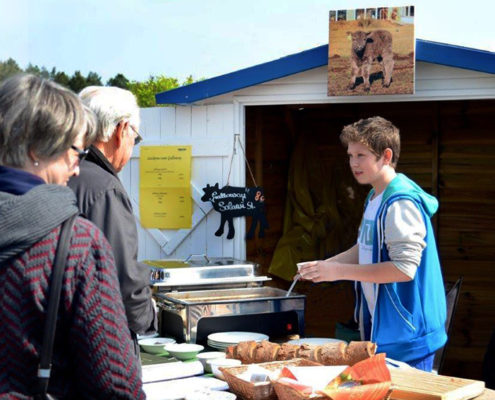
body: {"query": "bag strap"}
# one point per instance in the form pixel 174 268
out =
pixel 44 368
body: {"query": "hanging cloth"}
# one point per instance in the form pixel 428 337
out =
pixel 321 214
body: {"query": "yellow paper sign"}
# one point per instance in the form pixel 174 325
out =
pixel 165 188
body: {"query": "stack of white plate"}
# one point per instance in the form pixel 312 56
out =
pixel 222 340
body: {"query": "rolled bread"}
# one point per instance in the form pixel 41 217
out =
pixel 265 351
pixel 245 351
pixel 335 353
pixel 358 351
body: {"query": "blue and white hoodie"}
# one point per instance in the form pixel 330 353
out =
pixel 409 318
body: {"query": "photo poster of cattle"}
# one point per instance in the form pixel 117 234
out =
pixel 232 202
pixel 371 51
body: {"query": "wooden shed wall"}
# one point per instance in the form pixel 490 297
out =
pixel 448 147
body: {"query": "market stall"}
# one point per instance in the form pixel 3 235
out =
pixel 446 124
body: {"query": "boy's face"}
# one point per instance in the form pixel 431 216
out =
pixel 365 166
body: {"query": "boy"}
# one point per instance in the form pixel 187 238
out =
pixel 400 297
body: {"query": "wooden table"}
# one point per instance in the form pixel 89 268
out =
pixel 413 384
pixel 488 394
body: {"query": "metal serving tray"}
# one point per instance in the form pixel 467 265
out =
pixel 187 308
pixel 224 272
pixel 228 295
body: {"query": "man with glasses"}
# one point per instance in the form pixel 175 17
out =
pixel 103 200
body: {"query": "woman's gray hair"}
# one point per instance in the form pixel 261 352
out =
pixel 111 105
pixel 39 117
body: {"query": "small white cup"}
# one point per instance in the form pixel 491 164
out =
pixel 222 362
pixel 300 264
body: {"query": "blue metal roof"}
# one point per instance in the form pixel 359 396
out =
pixel 432 52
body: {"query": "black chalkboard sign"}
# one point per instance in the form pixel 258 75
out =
pixel 231 202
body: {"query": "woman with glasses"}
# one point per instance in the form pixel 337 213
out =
pixel 44 129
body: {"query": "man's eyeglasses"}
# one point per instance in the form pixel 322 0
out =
pixel 138 139
pixel 81 154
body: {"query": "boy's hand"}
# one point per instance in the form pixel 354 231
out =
pixel 319 271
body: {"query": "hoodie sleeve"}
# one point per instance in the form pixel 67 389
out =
pixel 404 236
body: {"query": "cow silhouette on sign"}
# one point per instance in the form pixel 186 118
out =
pixel 233 202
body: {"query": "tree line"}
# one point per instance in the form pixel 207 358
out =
pixel 144 91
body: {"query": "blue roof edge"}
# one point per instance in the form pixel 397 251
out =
pixel 455 56
pixel 432 52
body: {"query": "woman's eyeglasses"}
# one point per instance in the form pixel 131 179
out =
pixel 81 154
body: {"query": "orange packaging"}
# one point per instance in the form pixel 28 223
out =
pixel 372 377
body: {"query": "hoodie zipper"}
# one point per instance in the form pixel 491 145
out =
pixel 381 239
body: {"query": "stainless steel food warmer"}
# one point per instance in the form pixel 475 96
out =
pixel 200 296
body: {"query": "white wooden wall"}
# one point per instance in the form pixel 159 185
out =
pixel 210 131
pixel 210 125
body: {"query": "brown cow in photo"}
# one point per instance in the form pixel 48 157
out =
pixel 366 48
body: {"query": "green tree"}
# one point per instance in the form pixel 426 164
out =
pixel 93 79
pixel 119 80
pixel 33 69
pixel 44 73
pixel 145 91
pixel 77 82
pixel 188 81
pixel 9 68
pixel 61 78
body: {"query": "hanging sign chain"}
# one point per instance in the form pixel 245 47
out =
pixel 231 159
pixel 237 138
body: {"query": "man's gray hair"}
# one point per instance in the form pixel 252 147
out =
pixel 41 117
pixel 111 106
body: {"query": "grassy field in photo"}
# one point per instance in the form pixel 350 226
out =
pixel 339 70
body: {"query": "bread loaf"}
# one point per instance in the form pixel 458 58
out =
pixel 308 352
pixel 287 351
pixel 335 353
pixel 358 351
pixel 265 351
pixel 231 352
pixel 245 351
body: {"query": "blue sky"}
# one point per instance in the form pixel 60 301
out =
pixel 204 38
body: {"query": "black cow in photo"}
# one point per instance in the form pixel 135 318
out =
pixel 233 202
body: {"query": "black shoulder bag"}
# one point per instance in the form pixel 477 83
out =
pixel 44 368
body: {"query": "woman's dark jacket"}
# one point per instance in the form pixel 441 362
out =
pixel 93 353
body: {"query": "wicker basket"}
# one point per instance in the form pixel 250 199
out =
pixel 260 391
pixel 285 392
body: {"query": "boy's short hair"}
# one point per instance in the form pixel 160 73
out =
pixel 376 133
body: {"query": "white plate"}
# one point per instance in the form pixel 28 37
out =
pixel 155 345
pixel 183 351
pixel 216 344
pixel 147 336
pixel 218 347
pixel 205 394
pixel 224 345
pixel 234 337
pixel 316 341
pixel 178 389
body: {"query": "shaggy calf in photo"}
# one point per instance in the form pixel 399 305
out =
pixel 367 47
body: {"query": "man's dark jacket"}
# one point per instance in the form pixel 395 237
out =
pixel 103 200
